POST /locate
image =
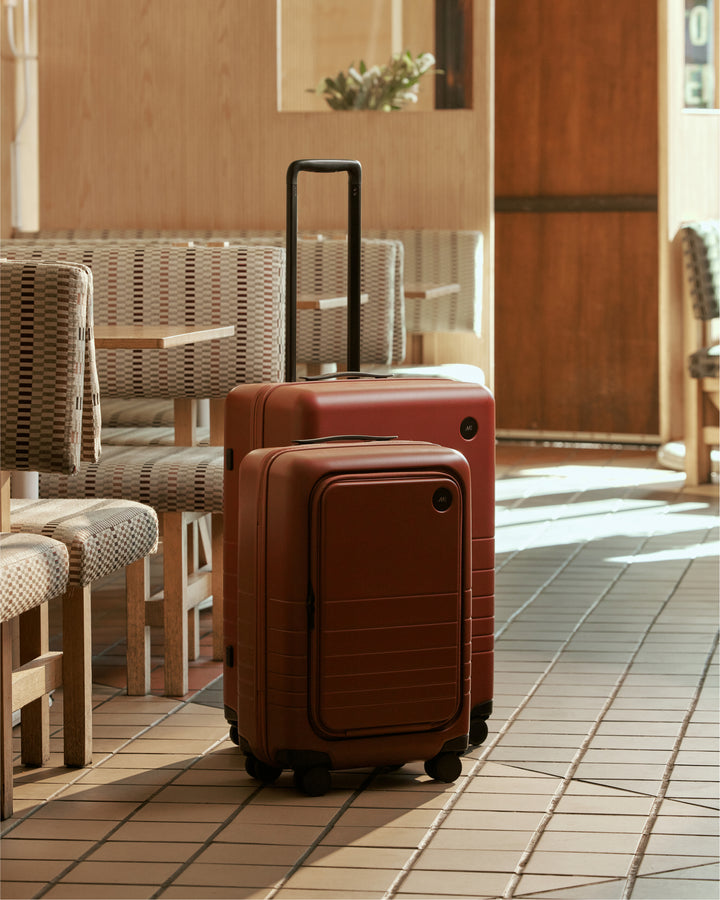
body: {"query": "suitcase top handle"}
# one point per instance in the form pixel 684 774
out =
pixel 354 171
pixel 351 166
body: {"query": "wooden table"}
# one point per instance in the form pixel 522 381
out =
pixel 429 290
pixel 325 301
pixel 141 337
pixel 161 337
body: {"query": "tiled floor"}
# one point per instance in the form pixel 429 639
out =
pixel 599 778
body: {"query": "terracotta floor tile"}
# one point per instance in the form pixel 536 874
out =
pixel 329 879
pixel 456 884
pixel 19 890
pixel 187 892
pixel 100 873
pixel 567 863
pixel 254 833
pixel 27 869
pixel 252 854
pixel 203 876
pixel 184 812
pixel 358 857
pixel 373 836
pixel 147 832
pixel 674 889
pixel 71 891
pixel 162 851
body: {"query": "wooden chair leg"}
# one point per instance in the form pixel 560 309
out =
pixel 193 627
pixel 77 676
pixel 35 716
pixel 175 603
pixel 6 757
pixel 137 586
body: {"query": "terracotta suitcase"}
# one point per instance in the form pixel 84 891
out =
pixel 353 616
pixel 452 414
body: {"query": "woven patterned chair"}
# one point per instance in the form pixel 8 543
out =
pixel 700 243
pixel 141 283
pixel 33 570
pixel 49 422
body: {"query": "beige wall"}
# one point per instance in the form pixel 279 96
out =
pixel 689 188
pixel 164 114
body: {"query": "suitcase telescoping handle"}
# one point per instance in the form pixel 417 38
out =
pixel 354 171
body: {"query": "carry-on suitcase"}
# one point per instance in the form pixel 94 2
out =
pixel 449 413
pixel 353 620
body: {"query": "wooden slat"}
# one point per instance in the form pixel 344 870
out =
pixel 36 678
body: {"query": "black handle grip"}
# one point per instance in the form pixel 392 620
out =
pixel 354 171
pixel 332 375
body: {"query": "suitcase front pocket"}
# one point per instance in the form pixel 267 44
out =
pixel 385 604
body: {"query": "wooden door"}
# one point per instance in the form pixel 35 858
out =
pixel 576 306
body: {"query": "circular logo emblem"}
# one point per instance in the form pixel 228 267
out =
pixel 442 499
pixel 468 428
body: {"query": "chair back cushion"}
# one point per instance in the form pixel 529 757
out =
pixel 50 404
pixel 701 251
pixel 142 283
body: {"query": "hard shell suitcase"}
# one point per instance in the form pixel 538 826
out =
pixel 452 414
pixel 353 618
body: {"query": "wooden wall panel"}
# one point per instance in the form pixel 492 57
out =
pixel 577 328
pixel 164 113
pixel 576 109
pixel 576 292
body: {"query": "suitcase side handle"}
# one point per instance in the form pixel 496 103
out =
pixel 354 171
pixel 331 375
pixel 337 438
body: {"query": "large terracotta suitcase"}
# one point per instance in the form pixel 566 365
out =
pixel 449 413
pixel 353 615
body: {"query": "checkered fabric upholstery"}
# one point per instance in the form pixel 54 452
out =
pixel 322 269
pixel 33 569
pixel 137 413
pixel 701 251
pixel 170 479
pixel 102 536
pixel 137 282
pixel 441 257
pixel 50 405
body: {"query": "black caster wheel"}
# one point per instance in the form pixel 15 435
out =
pixel 444 767
pixel 314 781
pixel 478 731
pixel 234 734
pixel 261 771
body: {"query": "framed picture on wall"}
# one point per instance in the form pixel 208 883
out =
pixel 700 89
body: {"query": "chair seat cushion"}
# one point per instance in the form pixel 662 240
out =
pixel 33 569
pixel 102 536
pixel 161 436
pixel 170 479
pixel 705 363
pixel 137 413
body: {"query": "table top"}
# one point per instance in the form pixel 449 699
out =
pixel 325 301
pixel 429 290
pixel 131 337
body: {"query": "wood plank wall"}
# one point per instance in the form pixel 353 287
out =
pixel 576 184
pixel 7 127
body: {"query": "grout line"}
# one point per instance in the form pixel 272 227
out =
pixel 142 804
pixel 323 834
pixel 453 800
pixel 637 859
